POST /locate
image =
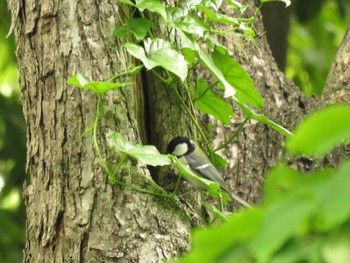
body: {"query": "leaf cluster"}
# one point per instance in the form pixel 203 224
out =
pixel 194 22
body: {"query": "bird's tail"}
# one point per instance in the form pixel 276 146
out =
pixel 239 199
pixel 236 197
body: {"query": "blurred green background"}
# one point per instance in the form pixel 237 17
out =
pixel 316 28
pixel 12 149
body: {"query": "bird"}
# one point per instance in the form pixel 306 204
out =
pixel 189 153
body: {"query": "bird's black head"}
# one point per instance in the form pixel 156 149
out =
pixel 180 146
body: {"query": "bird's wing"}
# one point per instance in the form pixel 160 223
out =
pixel 203 167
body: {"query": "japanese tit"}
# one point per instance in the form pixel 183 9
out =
pixel 189 153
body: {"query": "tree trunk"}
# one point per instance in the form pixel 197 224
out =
pixel 73 213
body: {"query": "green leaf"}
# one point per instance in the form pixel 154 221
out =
pixel 128 2
pixel 322 131
pixel 233 72
pixel 152 5
pixel 208 62
pixel 120 32
pixel 192 25
pixel 282 221
pixel 159 53
pixel 332 196
pixel 189 55
pixel 97 87
pixel 212 187
pixel 147 154
pixel 215 4
pixel 262 118
pixel 138 52
pixel 77 80
pixel 282 180
pixel 217 17
pixel 139 27
pixel 100 87
pixel 218 161
pixel 214 244
pixel 287 2
pixel 209 102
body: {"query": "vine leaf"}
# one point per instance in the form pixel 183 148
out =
pixel 221 18
pixel 262 118
pixel 207 61
pixel 234 74
pixel 211 103
pixel 98 87
pixel 147 154
pixel 158 52
pixel 137 26
pixel 182 20
pixel 152 5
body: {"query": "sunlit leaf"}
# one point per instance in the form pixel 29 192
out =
pixel 192 25
pixel 147 154
pixel 322 131
pixel 77 80
pixel 158 52
pixel 207 61
pixel 138 52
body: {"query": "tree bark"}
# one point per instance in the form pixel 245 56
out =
pixel 73 213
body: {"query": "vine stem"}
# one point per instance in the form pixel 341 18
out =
pixel 131 71
pixel 191 115
pixel 111 176
pixel 97 148
pixel 234 135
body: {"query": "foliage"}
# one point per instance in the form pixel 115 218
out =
pixel 177 59
pixel 12 150
pixel 303 218
pixel 314 42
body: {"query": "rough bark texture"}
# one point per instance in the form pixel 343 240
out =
pixel 337 88
pixel 74 214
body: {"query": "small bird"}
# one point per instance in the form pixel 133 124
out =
pixel 189 153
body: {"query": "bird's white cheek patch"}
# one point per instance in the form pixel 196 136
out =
pixel 180 149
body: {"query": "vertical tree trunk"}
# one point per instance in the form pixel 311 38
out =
pixel 73 213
